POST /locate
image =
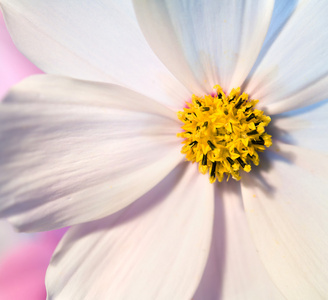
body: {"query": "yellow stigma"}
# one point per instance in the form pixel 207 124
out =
pixel 223 133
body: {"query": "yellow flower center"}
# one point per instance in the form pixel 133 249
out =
pixel 223 133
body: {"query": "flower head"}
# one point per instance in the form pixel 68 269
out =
pixel 99 150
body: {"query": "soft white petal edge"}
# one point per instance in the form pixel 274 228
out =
pixel 205 43
pixel 234 269
pixel 154 249
pixel 75 151
pixel 97 40
pixel 287 210
pixel 294 71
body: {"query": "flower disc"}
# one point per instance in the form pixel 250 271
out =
pixel 223 133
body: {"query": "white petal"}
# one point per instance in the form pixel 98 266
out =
pixel 306 127
pixel 234 270
pixel 293 72
pixel 156 249
pixel 287 209
pixel 96 40
pixel 75 151
pixel 205 43
pixel 282 11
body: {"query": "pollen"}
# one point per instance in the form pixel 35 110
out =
pixel 223 133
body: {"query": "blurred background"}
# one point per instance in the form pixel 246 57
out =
pixel 23 257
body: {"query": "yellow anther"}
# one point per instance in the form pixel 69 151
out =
pixel 223 133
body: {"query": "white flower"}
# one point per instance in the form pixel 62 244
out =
pixel 78 153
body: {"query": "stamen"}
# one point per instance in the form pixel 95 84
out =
pixel 237 106
pixel 211 145
pixel 204 160
pixel 192 144
pixel 253 132
pixel 241 162
pixel 231 162
pixel 260 142
pixel 252 116
pixel 223 133
pixel 213 169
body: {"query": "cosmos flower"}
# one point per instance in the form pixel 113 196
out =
pixel 98 149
